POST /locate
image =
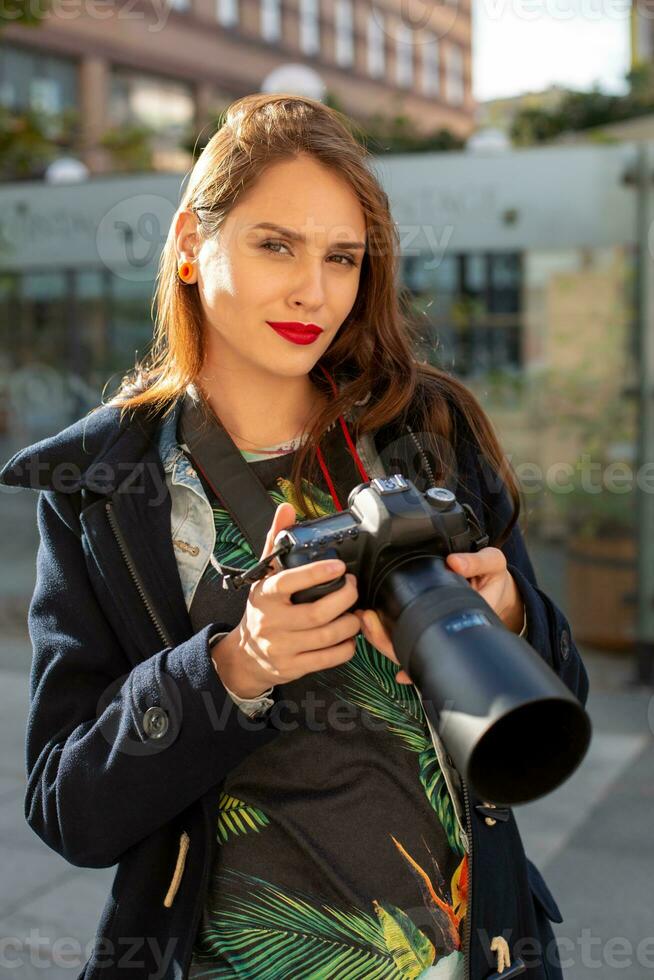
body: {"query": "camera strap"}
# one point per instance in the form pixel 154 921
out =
pixel 221 463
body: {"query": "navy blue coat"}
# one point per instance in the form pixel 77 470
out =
pixel 130 728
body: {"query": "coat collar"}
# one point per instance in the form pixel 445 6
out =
pixel 97 452
pixel 100 451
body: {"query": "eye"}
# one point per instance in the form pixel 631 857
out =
pixel 348 258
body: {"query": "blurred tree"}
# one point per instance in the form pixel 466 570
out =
pixel 397 133
pixel 22 12
pixel 379 133
pixel 130 148
pixel 586 110
pixel 31 140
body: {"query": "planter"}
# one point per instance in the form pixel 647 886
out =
pixel 601 591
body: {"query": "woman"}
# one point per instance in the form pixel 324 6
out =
pixel 196 736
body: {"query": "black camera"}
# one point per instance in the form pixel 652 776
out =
pixel 387 521
pixel 513 728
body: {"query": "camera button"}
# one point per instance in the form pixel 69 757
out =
pixel 440 497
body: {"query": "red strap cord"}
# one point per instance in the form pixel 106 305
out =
pixel 350 445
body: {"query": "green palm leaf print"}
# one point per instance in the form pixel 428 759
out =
pixel 368 680
pixel 232 548
pixel 433 782
pixel 411 950
pixel 269 933
pixel 321 501
pixel 237 818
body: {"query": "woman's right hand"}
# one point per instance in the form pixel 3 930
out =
pixel 278 641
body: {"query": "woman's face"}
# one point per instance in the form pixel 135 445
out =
pixel 248 276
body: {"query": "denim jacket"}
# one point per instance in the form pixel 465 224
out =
pixel 194 534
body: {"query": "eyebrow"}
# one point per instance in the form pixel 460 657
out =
pixel 295 236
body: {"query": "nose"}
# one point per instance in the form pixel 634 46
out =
pixel 309 287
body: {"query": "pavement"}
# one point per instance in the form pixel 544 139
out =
pixel 591 838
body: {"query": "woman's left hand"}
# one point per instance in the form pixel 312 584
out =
pixel 487 573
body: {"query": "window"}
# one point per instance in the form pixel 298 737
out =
pixel 36 81
pixel 227 12
pixel 454 86
pixel 473 306
pixel 164 107
pixel 376 38
pixel 271 20
pixel 430 65
pixel 309 26
pixel 344 38
pixel 404 55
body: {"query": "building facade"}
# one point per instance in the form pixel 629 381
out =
pixel 171 65
pixel 642 32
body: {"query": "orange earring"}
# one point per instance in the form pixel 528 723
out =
pixel 185 271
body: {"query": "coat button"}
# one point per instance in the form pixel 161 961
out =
pixel 564 644
pixel 155 723
pixel 489 820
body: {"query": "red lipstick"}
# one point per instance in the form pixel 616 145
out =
pixel 297 333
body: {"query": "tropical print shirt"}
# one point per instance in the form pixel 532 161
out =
pixel 336 851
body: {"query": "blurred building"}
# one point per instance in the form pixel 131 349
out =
pixel 642 32
pixel 171 65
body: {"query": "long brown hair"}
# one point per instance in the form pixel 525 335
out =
pixel 372 353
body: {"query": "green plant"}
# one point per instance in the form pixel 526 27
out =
pixel 603 514
pixel 30 140
pixel 22 12
pixel 380 133
pixel 597 499
pixel 584 110
pixel 130 148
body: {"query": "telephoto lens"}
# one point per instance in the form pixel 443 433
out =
pixel 513 729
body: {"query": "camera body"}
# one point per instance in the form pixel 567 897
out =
pixel 387 522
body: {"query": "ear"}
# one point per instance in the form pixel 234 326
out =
pixel 187 236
